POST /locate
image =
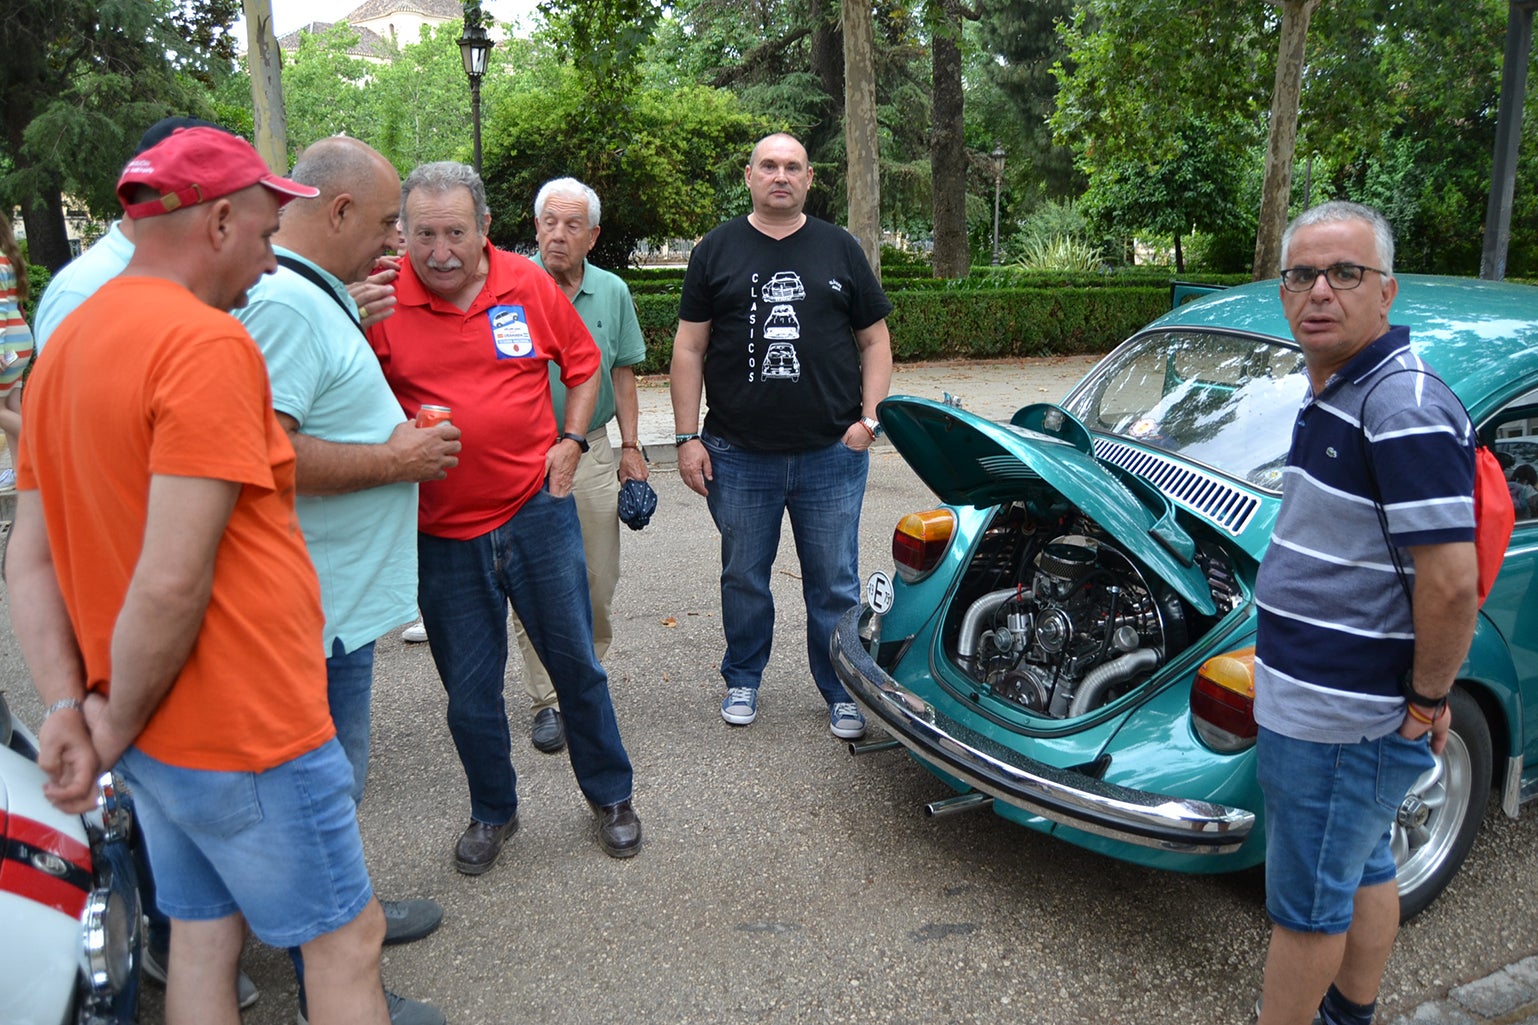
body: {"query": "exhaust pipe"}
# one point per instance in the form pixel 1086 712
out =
pixel 961 802
pixel 865 747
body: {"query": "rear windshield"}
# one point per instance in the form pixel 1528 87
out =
pixel 1226 401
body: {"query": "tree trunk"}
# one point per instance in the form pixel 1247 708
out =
pixel 1276 192
pixel 47 238
pixel 860 130
pixel 1180 257
pixel 264 61
pixel 42 210
pixel 947 144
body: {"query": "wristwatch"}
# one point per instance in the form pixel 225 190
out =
pixel 1409 693
pixel 580 439
pixel 871 424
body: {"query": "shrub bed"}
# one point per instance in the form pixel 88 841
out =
pixel 929 323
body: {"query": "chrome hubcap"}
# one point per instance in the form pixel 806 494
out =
pixel 1427 823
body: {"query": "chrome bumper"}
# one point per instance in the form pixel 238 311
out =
pixel 1060 795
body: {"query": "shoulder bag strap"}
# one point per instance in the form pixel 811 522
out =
pixel 1372 473
pixel 311 275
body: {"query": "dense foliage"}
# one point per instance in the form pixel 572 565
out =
pixel 1152 116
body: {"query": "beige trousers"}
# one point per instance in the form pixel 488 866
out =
pixel 595 487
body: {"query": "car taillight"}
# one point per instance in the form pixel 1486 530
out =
pixel 920 540
pixel 1223 701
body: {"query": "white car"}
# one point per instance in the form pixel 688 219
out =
pixel 781 363
pixel 784 287
pixel 782 323
pixel 69 951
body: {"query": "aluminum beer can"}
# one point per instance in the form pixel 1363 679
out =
pixel 427 416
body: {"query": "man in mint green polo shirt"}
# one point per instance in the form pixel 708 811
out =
pixel 566 216
pixel 358 460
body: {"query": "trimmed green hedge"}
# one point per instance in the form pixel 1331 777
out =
pixel 928 324
pixel 987 323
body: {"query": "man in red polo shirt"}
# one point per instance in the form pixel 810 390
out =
pixel 475 330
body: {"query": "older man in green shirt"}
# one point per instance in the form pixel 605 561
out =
pixel 566 214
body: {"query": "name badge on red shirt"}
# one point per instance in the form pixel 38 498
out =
pixel 510 332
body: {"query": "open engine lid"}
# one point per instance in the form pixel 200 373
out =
pixel 968 460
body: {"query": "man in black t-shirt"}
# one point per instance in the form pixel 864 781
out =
pixel 783 324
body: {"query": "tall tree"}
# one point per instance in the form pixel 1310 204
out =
pixel 1281 142
pixel 78 84
pixel 683 148
pixel 270 116
pixel 1196 188
pixel 1022 45
pixel 948 158
pixel 860 130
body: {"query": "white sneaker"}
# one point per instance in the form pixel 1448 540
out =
pixel 416 633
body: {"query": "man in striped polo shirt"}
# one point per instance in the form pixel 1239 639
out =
pixel 1350 684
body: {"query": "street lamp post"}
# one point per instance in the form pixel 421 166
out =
pixel 475 47
pixel 997 156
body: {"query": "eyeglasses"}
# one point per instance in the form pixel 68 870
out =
pixel 1341 276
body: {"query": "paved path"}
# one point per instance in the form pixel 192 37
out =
pixel 1508 996
pixel 992 388
pixel 995 389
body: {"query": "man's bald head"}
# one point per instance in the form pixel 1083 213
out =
pixel 353 221
pixel 339 163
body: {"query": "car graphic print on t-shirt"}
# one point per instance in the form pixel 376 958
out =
pixel 510 332
pixel 784 287
pixel 780 328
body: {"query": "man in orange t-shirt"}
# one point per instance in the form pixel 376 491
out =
pixel 172 618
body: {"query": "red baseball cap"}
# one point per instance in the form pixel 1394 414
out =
pixel 199 165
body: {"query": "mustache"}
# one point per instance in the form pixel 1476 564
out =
pixel 452 263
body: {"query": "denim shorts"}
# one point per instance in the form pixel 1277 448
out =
pixel 280 847
pixel 1328 812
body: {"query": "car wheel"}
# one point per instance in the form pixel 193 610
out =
pixel 1437 822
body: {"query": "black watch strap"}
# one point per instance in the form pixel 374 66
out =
pixel 1415 697
pixel 580 439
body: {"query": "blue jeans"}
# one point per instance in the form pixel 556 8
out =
pixel 1328 812
pixel 212 837
pixel 823 489
pixel 349 685
pixel 534 561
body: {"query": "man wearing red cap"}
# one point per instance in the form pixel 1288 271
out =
pixel 166 606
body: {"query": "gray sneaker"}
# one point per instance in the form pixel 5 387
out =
pixel 741 706
pixel 845 720
pixel 410 920
pixel 403 1011
pixel 154 964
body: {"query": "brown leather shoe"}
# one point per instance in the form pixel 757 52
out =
pixel 619 830
pixel 478 848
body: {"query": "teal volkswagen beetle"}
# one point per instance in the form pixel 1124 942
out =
pixel 1069 639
